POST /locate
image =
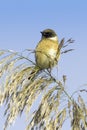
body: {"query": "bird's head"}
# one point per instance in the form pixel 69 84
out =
pixel 49 34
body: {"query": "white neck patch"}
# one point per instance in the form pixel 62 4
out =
pixel 54 38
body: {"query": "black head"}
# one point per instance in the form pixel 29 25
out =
pixel 48 33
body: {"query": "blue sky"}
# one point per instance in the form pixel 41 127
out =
pixel 20 25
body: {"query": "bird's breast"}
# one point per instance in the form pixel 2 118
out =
pixel 46 53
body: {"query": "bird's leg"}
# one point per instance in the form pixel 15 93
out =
pixel 50 68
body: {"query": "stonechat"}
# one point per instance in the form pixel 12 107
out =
pixel 47 51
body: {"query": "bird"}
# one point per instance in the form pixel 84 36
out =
pixel 47 52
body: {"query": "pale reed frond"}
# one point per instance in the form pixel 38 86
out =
pixel 78 114
pixel 24 86
pixel 47 111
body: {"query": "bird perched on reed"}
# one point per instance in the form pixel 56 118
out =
pixel 47 51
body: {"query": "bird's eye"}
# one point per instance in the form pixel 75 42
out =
pixel 47 34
